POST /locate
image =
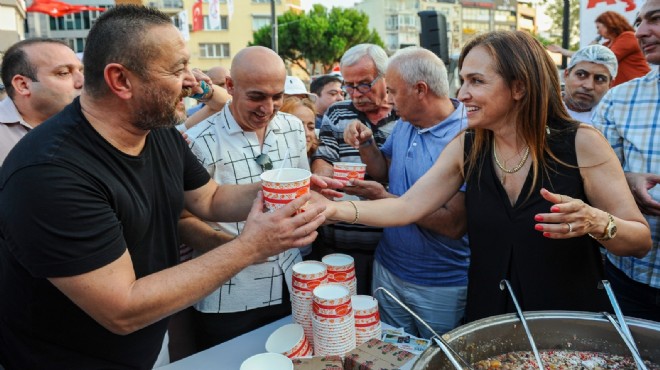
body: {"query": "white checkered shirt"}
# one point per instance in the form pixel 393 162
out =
pixel 228 153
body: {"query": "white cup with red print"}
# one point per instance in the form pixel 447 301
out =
pixel 346 172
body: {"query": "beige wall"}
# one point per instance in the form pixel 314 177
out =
pixel 12 26
pixel 239 31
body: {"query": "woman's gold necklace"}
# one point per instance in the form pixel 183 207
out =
pixel 514 169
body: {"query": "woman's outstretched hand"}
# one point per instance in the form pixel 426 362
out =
pixel 568 217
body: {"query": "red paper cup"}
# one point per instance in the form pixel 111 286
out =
pixel 307 275
pixel 331 294
pixel 283 185
pixel 288 340
pixel 346 172
pixel 341 267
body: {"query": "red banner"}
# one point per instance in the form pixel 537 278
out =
pixel 58 8
pixel 197 16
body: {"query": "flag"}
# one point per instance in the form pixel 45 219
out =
pixel 57 8
pixel 183 25
pixel 197 16
pixel 230 8
pixel 214 14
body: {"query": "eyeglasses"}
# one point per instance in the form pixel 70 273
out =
pixel 263 160
pixel 363 88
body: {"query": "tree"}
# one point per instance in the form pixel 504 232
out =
pixel 555 10
pixel 319 38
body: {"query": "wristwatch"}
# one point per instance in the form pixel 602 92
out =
pixel 610 230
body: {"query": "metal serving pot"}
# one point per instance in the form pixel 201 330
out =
pixel 578 331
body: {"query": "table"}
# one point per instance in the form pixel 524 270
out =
pixel 231 354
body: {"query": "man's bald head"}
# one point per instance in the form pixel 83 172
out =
pixel 256 61
pixel 218 75
pixel 256 86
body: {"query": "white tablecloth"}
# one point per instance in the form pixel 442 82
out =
pixel 231 354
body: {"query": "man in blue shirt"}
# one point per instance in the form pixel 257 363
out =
pixel 424 264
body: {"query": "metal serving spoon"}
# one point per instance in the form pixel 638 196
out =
pixel 621 325
pixel 453 356
pixel 631 345
pixel 505 284
pixel 619 314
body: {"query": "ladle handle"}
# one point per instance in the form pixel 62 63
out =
pixel 627 341
pixel 619 315
pixel 444 346
pixel 505 283
pixel 447 352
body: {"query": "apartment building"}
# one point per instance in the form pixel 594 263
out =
pixel 398 24
pixel 208 47
pixel 12 21
pixel 71 28
pixel 214 47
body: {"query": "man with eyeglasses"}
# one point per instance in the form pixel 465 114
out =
pixel 247 137
pixel 362 67
pixel 425 263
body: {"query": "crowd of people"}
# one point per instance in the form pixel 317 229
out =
pixel 106 182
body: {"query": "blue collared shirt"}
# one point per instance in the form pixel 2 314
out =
pixel 629 117
pixel 413 253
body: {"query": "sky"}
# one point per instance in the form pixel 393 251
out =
pixel 307 4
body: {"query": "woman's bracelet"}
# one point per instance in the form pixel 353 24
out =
pixel 357 213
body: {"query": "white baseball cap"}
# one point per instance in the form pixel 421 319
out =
pixel 295 86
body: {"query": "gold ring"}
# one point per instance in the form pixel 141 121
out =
pixel 570 227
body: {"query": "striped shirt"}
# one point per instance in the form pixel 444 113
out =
pixel 228 153
pixel 332 149
pixel 629 117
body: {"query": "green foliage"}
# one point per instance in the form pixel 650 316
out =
pixel 555 10
pixel 318 38
pixel 544 41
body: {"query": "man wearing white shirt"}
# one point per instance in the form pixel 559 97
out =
pixel 586 80
pixel 247 137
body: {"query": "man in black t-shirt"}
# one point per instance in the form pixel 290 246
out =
pixel 89 204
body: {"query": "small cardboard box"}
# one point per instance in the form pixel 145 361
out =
pixel 376 355
pixel 318 363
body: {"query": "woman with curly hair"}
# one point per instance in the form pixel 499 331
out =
pixel 620 37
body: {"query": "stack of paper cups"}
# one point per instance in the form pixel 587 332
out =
pixel 341 270
pixel 367 318
pixel 289 340
pixel 307 275
pixel 332 320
